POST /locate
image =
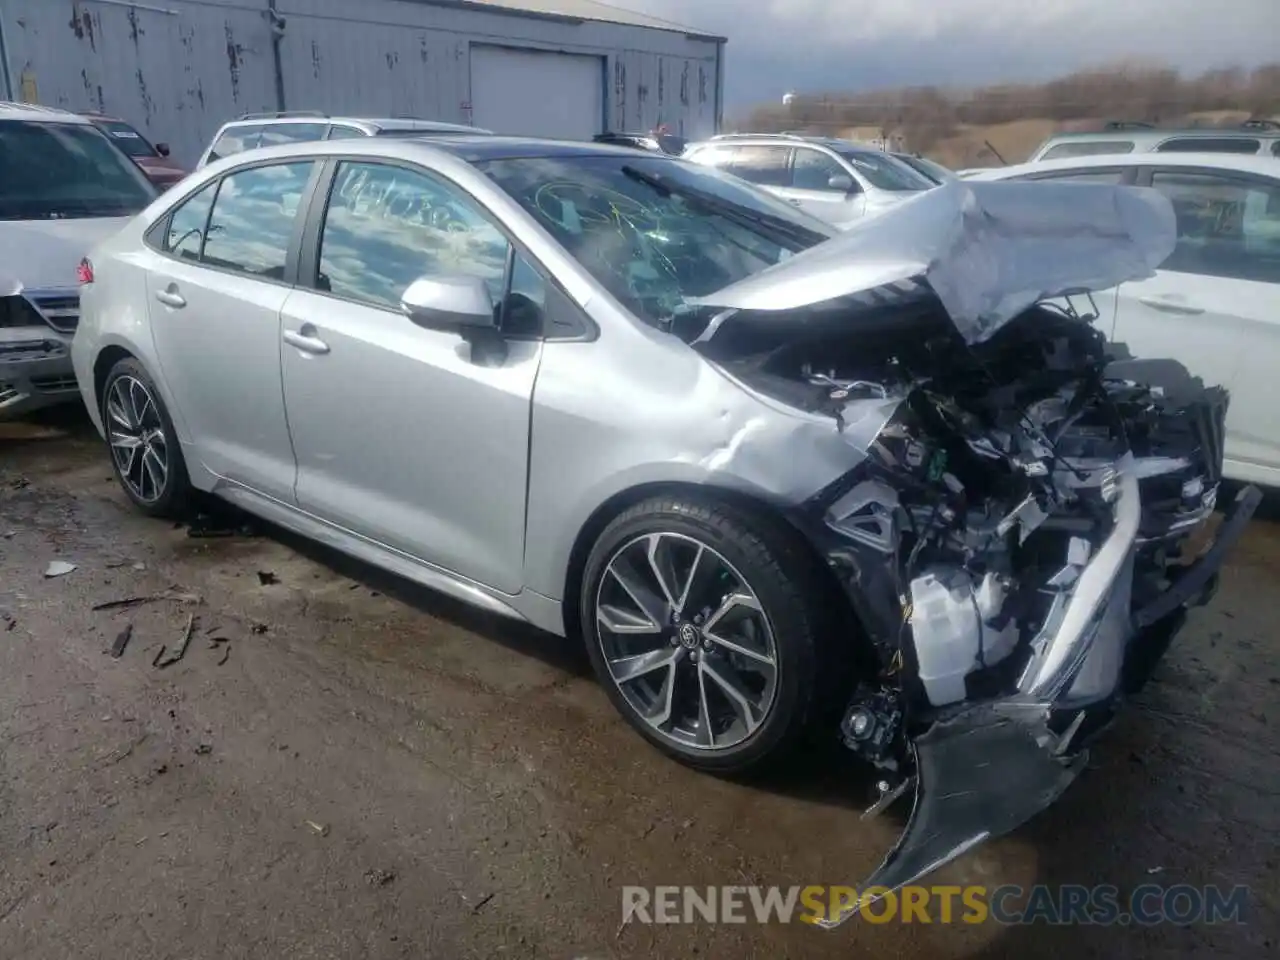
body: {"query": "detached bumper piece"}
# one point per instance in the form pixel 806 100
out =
pixel 982 770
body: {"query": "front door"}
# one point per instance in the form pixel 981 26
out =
pixel 823 188
pixel 214 291
pixel 1214 305
pixel 402 435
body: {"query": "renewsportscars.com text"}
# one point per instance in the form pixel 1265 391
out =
pixel 1066 904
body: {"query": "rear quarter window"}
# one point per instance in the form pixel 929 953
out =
pixel 1086 148
pixel 234 140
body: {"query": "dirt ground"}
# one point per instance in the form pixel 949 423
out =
pixel 372 771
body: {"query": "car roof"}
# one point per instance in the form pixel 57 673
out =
pixel 1158 133
pixel 784 139
pixel 35 113
pixel 1238 162
pixel 378 123
pixel 470 148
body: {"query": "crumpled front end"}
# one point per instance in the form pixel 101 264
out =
pixel 1015 542
pixel 1015 546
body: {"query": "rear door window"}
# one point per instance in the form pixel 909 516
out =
pixel 277 133
pixel 253 217
pixel 1087 148
pixel 233 140
pixel 340 131
pixel 765 166
pixel 1210 145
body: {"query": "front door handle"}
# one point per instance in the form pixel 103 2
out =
pixel 1170 306
pixel 170 297
pixel 305 339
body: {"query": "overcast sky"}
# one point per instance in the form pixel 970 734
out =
pixel 777 45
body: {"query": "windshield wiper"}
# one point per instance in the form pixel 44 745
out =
pixel 730 211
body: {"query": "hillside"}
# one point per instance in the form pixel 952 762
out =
pixel 960 127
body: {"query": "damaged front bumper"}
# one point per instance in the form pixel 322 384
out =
pixel 983 769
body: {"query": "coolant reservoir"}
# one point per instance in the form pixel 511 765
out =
pixel 947 627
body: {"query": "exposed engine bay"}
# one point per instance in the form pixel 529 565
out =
pixel 1014 533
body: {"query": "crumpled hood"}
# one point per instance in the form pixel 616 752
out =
pixel 989 251
pixel 45 253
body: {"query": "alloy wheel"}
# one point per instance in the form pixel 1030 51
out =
pixel 686 641
pixel 137 437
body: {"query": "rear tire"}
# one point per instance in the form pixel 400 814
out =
pixel 716 661
pixel 145 453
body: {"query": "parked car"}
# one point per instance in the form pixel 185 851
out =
pixel 1215 303
pixel 926 167
pixel 1255 137
pixel 835 180
pixel 654 142
pixel 63 187
pixel 254 130
pixel 154 159
pixel 778 478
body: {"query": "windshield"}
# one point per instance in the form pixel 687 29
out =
pixel 653 230
pixel 886 173
pixel 127 139
pixel 55 171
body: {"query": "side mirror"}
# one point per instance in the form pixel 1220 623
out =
pixel 842 182
pixel 162 149
pixel 449 303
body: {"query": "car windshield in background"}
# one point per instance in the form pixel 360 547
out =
pixel 886 173
pixel 127 139
pixel 55 171
pixel 656 231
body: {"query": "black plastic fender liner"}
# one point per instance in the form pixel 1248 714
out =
pixel 979 774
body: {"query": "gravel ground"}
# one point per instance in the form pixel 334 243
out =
pixel 343 765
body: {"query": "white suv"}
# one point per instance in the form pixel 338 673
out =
pixel 1214 304
pixel 255 130
pixel 834 180
pixel 64 185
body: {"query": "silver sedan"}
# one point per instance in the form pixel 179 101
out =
pixel 880 485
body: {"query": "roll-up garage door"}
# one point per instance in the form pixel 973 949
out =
pixel 536 93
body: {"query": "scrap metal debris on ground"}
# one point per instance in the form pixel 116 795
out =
pixel 124 602
pixel 121 641
pixel 181 650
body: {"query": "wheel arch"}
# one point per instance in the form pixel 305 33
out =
pixel 755 506
pixel 114 349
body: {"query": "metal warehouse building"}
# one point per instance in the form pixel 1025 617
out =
pixel 178 69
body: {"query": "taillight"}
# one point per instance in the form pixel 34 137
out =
pixel 84 272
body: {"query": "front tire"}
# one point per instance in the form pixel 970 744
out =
pixel 703 623
pixel 145 453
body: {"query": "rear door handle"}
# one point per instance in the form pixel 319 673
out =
pixel 305 339
pixel 170 297
pixel 1170 306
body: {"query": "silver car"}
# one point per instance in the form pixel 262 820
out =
pixel 779 482
pixel 837 180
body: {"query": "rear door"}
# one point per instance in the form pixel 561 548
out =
pixel 221 269
pixel 1214 304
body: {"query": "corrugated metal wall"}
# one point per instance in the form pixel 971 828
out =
pixel 180 68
